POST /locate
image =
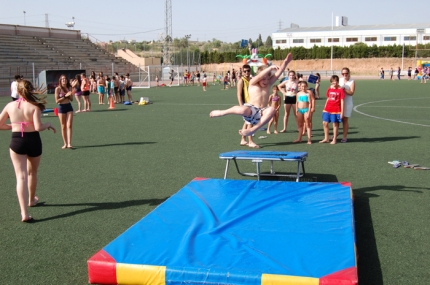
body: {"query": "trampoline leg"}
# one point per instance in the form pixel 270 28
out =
pixel 271 168
pixel 226 168
pixel 298 172
pixel 258 171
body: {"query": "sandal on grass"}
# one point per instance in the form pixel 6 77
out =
pixel 411 165
pixel 421 168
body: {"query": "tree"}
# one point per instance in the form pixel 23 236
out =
pixel 269 42
pixel 259 41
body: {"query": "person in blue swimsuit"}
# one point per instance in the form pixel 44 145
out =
pixel 305 106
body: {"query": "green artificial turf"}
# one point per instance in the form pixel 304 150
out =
pixel 129 160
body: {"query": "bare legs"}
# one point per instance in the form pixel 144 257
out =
pixel 78 99
pixel 304 124
pixel 66 121
pixel 101 98
pixel 345 127
pixel 266 115
pixel 87 104
pixel 250 142
pixel 287 108
pixel 130 98
pixel 26 181
pixel 274 121
pixel 326 133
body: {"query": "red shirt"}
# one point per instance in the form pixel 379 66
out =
pixel 334 97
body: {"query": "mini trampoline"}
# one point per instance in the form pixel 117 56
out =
pixel 216 231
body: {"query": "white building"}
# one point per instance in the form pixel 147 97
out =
pixel 380 35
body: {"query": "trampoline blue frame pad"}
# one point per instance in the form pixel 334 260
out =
pixel 216 231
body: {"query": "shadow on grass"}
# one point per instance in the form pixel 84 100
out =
pixel 369 266
pixel 350 140
pixel 108 110
pixel 99 207
pixel 113 144
pixel 308 177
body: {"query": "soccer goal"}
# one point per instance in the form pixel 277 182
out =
pixel 144 78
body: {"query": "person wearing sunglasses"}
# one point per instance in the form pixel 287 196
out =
pixel 348 85
pixel 242 98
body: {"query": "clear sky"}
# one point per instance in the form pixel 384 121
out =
pixel 225 20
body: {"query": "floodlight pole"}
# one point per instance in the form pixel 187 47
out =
pixel 331 56
pixel 24 18
pixel 188 50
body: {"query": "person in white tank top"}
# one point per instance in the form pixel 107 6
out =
pixel 348 86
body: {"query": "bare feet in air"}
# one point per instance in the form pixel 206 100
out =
pixel 246 132
pixel 216 113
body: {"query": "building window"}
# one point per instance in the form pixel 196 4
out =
pixel 426 38
pixel 333 40
pixel 410 38
pixel 351 39
pixel 370 39
pixel 315 40
pixel 298 41
pixel 281 41
pixel 390 39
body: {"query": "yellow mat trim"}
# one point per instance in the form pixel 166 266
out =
pixel 273 279
pixel 132 274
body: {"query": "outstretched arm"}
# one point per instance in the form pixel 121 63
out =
pixel 262 74
pixel 283 65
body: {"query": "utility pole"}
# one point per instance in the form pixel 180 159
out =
pixel 168 32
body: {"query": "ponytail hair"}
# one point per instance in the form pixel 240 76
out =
pixel 26 90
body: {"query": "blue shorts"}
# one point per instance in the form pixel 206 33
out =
pixel 65 108
pixel 101 89
pixel 331 118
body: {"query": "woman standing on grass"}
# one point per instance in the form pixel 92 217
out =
pixel 101 84
pixel 76 85
pixel 317 86
pixel 64 98
pixel 85 87
pixel 26 145
pixel 348 85
pixel 129 86
pixel 289 88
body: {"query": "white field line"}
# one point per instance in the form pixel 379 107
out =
pixel 396 121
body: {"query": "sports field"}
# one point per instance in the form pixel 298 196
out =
pixel 129 160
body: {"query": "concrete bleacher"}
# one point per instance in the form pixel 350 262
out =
pixel 28 55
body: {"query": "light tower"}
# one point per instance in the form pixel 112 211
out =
pixel 168 32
